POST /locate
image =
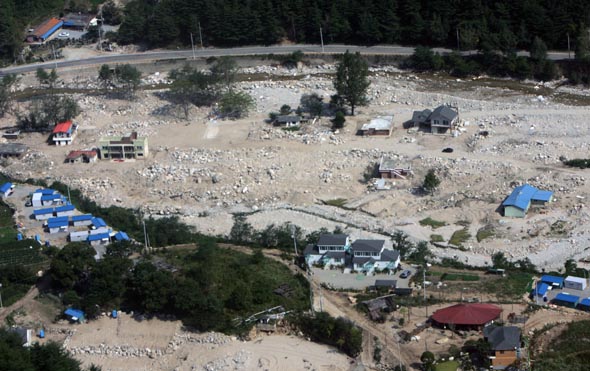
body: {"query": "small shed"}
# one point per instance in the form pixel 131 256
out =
pixel 553 281
pixel 11 134
pixel 65 210
pixel 82 220
pixel 6 189
pixel 121 236
pixel 15 150
pixel 98 223
pixel 43 214
pixel 575 283
pixel 381 125
pixel 522 198
pixel 75 315
pixel 26 335
pixel 566 300
pixel 540 290
pixel 99 239
pixel 391 168
pixel 82 156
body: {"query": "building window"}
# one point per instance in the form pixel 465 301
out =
pixel 445 122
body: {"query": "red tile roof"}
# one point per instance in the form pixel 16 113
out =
pixel 62 127
pixel 467 314
pixel 75 154
pixel 45 26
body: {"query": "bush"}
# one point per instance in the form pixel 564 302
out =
pixel 339 120
pixel 339 332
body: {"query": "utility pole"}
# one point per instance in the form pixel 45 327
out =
pixel 294 239
pixel 200 35
pixel 569 51
pixel 322 38
pixel 458 44
pixel 193 46
pixel 69 197
pixel 99 31
pixel 54 56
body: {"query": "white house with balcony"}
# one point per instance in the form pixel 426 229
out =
pixel 329 251
pixel 371 255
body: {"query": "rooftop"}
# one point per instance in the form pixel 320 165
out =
pixel 522 195
pixel 13 148
pixel 5 187
pixel 503 337
pixel 98 237
pixel 379 123
pixel 476 314
pixel 388 163
pixel 128 139
pixel 445 112
pixel 288 118
pixel 46 26
pixel 63 128
pixel 332 240
pixel 368 245
pixel 76 154
pixel 566 298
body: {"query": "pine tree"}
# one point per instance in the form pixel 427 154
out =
pixel 352 80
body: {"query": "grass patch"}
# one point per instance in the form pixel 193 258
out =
pixel 291 128
pixel 484 233
pixel 432 223
pixel 25 253
pixel 337 202
pixel 447 366
pixel 436 238
pixel 513 286
pixel 459 277
pixel 459 237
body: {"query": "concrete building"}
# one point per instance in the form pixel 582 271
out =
pixel 382 125
pixel 391 168
pixel 127 147
pixel 79 236
pixel 82 220
pixel 575 283
pixel 12 150
pixel 522 198
pixel 505 344
pixel 63 133
pixel 43 214
pixel 58 224
pixel 287 121
pixel 440 121
pixel 65 210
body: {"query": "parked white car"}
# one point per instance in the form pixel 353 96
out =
pixel 63 34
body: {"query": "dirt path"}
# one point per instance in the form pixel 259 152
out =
pixel 29 296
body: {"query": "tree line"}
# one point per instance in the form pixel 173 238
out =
pixel 468 24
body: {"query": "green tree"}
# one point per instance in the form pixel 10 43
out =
pixel 312 103
pixel 339 120
pixel 190 87
pixel 538 50
pixel 500 261
pixel 224 72
pixel 420 253
pixel 152 288
pixel 44 113
pixel 71 263
pixel 235 105
pixel 352 80
pixel 285 109
pixel 111 13
pixel 6 94
pixel 570 267
pixel 47 80
pixel 241 231
pixel 431 182
pixel 105 76
pixel 424 59
pixel 583 46
pixel 130 77
pixel 402 243
pixel 427 359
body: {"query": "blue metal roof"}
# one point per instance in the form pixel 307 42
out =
pixel 543 196
pixel 74 313
pixel 57 219
pixel 55 196
pixel 567 298
pixel 98 237
pixel 79 218
pixel 541 289
pixel 46 191
pixel 121 236
pixel 521 196
pixel 43 211
pixel 585 302
pixel 552 279
pixel 98 222
pixel 5 187
pixel 58 224
pixel 52 30
pixel 64 208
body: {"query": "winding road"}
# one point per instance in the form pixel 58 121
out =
pixel 241 51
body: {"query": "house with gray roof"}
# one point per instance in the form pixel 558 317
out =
pixel 505 344
pixel 370 256
pixel 440 121
pixel 329 251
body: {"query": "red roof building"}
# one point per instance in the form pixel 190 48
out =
pixel 45 30
pixel 63 133
pixel 82 156
pixel 464 315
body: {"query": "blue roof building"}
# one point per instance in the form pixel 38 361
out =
pixel 521 199
pixel 98 237
pixel 57 224
pixel 553 280
pixel 46 191
pixel 584 304
pixel 63 208
pixel 566 300
pixel 57 219
pixel 121 236
pixel 82 218
pixel 5 189
pixel 43 214
pixel 541 289
pixel 75 314
pixel 98 223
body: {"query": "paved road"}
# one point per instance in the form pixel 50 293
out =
pixel 250 50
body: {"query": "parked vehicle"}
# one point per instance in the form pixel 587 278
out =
pixel 405 274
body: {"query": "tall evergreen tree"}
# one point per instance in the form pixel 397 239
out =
pixel 352 80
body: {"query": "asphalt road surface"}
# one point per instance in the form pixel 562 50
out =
pixel 110 58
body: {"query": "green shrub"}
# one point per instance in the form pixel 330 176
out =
pixel 432 223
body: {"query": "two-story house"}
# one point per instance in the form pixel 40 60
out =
pixel 371 255
pixel 63 133
pixel 504 343
pixel 125 147
pixel 330 250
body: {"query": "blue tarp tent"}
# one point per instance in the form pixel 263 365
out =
pixel 121 236
pixel 75 314
pixel 567 300
pixel 553 280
